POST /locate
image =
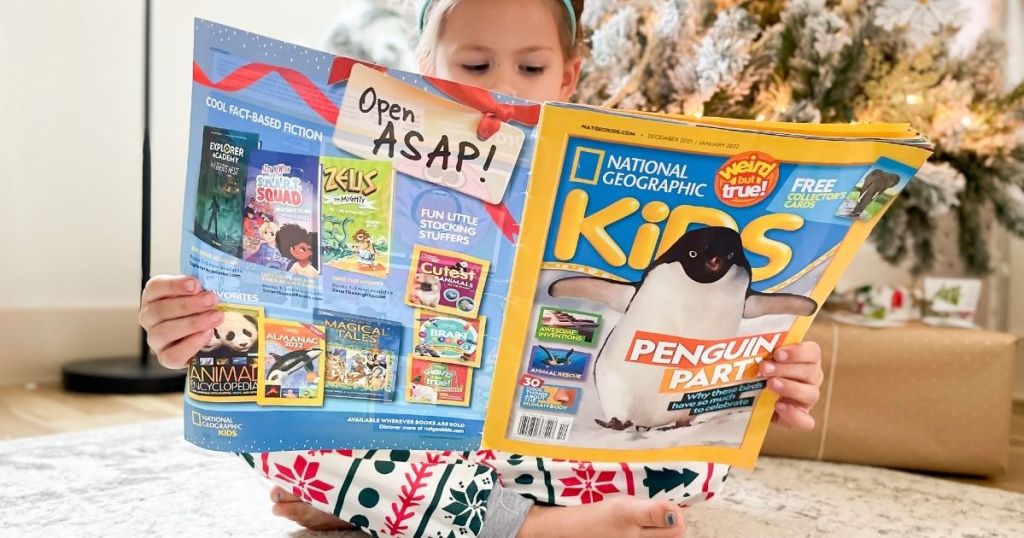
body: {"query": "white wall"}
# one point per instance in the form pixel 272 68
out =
pixel 70 140
pixel 70 144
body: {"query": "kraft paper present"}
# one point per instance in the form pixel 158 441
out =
pixel 912 397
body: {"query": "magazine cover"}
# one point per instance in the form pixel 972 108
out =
pixel 366 206
pixel 661 260
pixel 281 219
pixel 362 356
pixel 356 201
pixel 220 195
pixel 225 369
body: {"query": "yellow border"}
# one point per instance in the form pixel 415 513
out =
pixel 558 124
pixel 485 268
pixel 479 324
pixel 468 392
pixel 261 370
pixel 258 310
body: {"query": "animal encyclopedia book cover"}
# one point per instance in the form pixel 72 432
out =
pixel 698 250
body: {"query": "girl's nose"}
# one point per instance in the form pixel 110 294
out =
pixel 503 84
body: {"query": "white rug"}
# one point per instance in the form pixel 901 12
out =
pixel 143 480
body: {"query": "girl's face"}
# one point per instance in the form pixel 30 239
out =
pixel 508 46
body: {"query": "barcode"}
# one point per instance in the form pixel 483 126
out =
pixel 543 427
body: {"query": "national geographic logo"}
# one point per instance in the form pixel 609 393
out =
pixel 225 426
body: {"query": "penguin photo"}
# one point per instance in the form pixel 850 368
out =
pixel 699 288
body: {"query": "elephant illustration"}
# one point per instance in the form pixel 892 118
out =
pixel 875 184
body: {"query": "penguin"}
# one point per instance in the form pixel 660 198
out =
pixel 699 288
pixel 291 362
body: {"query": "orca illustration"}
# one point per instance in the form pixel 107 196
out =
pixel 292 362
pixel 699 288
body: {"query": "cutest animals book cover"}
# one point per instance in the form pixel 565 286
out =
pixel 659 264
pixel 446 281
pixel 220 195
pixel 281 215
pixel 362 356
pixel 357 199
pixel 291 364
pixel 225 369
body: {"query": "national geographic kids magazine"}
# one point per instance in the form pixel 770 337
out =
pixel 660 259
pixel 600 284
pixel 359 225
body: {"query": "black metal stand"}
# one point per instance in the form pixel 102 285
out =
pixel 141 374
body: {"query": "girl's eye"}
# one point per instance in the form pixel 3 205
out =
pixel 476 68
pixel 532 69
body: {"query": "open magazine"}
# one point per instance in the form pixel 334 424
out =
pixel 398 256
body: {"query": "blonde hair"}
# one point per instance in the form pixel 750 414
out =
pixel 438 10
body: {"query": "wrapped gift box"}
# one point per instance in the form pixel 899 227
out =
pixel 912 397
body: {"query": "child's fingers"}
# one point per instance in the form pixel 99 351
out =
pixel 178 354
pixel 152 314
pixel 166 333
pixel 801 393
pixel 802 352
pixel 163 286
pixel 802 372
pixel 792 416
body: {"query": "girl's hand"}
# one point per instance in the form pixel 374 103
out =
pixel 795 374
pixel 178 317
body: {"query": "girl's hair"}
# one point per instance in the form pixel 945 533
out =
pixel 438 10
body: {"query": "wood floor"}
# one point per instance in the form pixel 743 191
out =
pixel 27 411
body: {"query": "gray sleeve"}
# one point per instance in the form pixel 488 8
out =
pixel 506 512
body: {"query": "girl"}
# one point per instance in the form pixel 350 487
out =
pixel 530 49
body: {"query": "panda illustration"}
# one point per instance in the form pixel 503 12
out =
pixel 237 334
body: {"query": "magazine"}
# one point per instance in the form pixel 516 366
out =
pixel 359 225
pixel 427 265
pixel 660 261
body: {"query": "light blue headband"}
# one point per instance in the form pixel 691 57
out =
pixel 567 3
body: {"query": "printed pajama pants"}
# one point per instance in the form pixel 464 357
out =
pixel 444 494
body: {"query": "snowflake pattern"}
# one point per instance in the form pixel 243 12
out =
pixel 302 478
pixel 469 505
pixel 588 484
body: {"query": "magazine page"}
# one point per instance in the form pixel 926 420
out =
pixel 358 225
pixel 660 261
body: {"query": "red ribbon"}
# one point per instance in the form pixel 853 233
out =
pixel 494 113
pixel 249 74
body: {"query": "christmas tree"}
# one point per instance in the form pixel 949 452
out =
pixel 821 61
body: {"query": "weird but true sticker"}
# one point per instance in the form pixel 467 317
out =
pixel 291 366
pixel 438 383
pixel 445 281
pixel 448 339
